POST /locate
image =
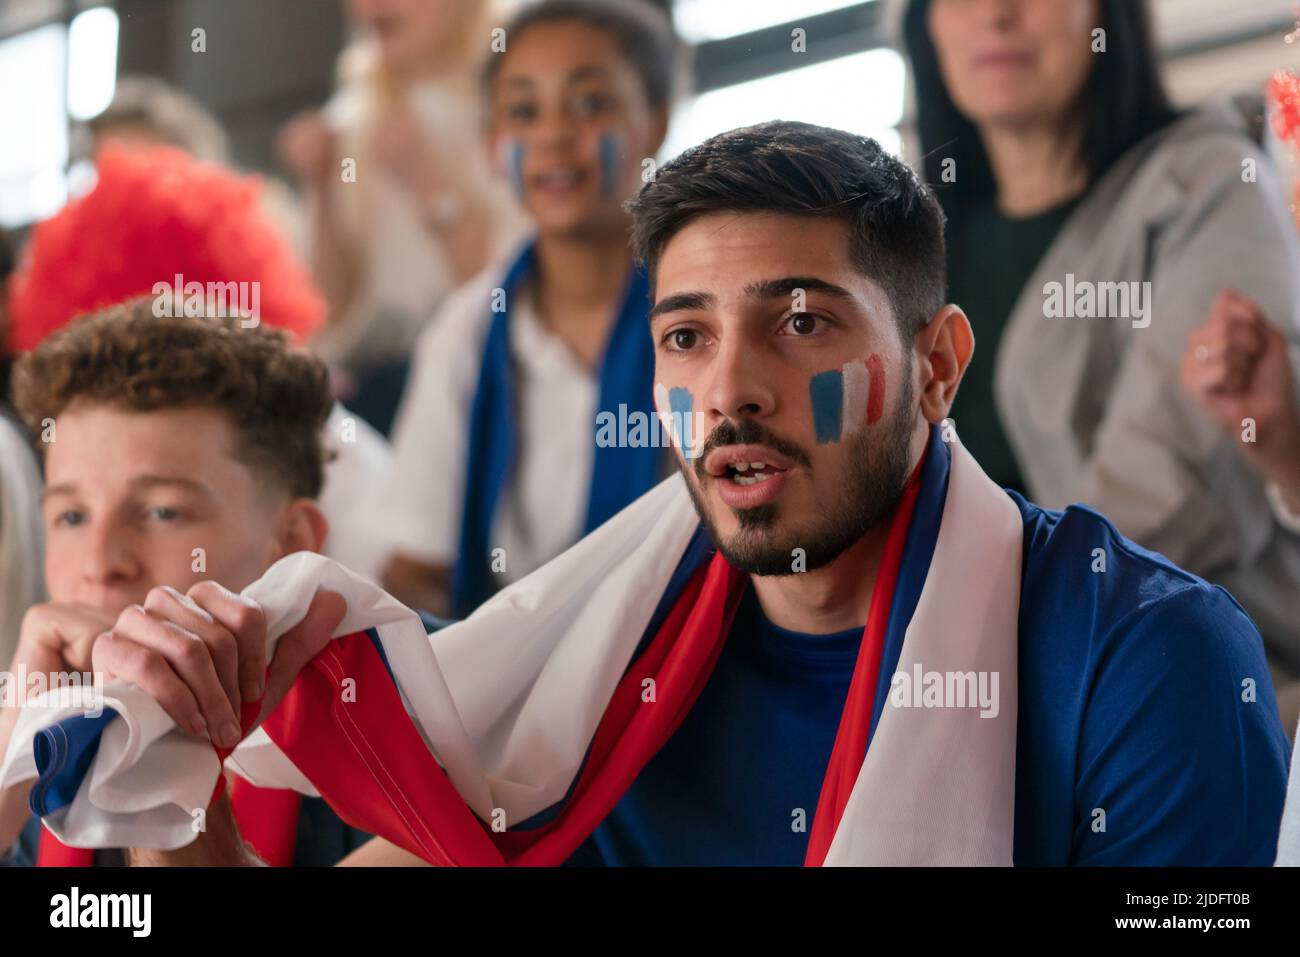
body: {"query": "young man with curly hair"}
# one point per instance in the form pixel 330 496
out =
pixel 176 450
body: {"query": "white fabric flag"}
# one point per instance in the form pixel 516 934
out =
pixel 508 700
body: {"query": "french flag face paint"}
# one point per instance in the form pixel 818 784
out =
pixel 611 148
pixel 848 398
pixel 676 410
pixel 510 154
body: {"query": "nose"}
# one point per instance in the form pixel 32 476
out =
pixel 738 386
pixel 556 131
pixel 108 558
pixel 999 12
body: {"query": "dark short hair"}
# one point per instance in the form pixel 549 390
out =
pixel 643 31
pixel 1122 101
pixel 895 223
pixel 277 397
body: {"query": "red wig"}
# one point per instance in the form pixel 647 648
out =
pixel 1284 92
pixel 153 214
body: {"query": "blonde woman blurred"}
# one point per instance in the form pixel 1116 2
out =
pixel 421 213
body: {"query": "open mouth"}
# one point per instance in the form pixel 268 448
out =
pixel 751 462
pixel 558 180
pixel 751 473
pixel 748 476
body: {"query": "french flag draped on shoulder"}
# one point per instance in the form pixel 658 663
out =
pixel 508 737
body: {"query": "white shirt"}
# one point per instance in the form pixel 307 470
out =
pixel 356 475
pixel 543 506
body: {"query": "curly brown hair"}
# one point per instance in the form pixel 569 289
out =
pixel 277 396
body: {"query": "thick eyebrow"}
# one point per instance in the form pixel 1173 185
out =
pixel 784 288
pixel 682 302
pixel 763 289
pixel 140 482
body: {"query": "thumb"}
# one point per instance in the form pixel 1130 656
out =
pixel 300 644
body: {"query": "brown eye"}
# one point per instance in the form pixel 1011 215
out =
pixel 591 104
pixel 684 338
pixel 520 112
pixel 803 324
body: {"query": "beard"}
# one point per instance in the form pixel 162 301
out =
pixel 764 544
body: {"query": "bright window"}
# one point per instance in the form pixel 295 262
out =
pixel 861 93
pixel 92 62
pixel 33 126
pixel 64 72
pixel 700 20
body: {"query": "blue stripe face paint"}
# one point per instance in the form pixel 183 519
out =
pixel 609 155
pixel 512 159
pixel 827 391
pixel 679 402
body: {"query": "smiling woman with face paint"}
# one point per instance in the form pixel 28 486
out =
pixel 498 468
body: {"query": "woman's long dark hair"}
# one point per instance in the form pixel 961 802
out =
pixel 1122 101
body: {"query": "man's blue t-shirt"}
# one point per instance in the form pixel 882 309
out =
pixel 1148 733
pixel 738 782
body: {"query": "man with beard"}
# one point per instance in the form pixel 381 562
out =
pixel 833 639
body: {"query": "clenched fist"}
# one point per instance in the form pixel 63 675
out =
pixel 1236 367
pixel 202 654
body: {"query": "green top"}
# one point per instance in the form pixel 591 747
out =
pixel 990 258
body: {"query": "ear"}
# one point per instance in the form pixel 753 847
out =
pixel 302 527
pixel 944 347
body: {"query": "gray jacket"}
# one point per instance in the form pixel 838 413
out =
pixel 1093 407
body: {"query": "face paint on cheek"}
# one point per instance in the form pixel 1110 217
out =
pixel 662 407
pixel 827 391
pixel 677 403
pixel 511 156
pixel 847 398
pixel 610 151
pixel 876 397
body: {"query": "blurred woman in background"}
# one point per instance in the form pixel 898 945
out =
pixel 1066 174
pixel 402 202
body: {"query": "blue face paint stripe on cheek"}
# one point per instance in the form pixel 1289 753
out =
pixel 515 156
pixel 608 163
pixel 827 391
pixel 679 401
